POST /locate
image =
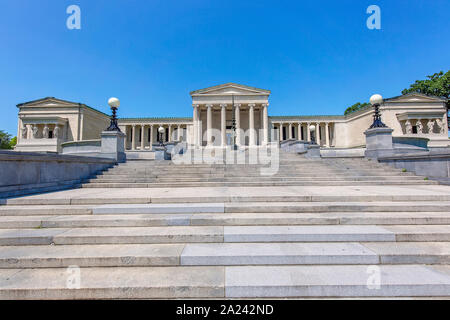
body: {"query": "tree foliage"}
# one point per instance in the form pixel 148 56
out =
pixel 437 85
pixel 5 140
pixel 357 106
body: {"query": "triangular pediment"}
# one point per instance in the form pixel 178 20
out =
pixel 49 102
pixel 230 89
pixel 415 97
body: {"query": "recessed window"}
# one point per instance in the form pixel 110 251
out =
pixel 414 129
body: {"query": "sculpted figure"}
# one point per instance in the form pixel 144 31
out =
pixel 440 125
pixel 57 132
pixel 45 132
pixel 419 126
pixel 24 132
pixel 408 127
pixel 35 132
pixel 430 126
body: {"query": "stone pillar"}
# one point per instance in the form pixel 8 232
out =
pixel 251 124
pixel 327 134
pixel 113 145
pixel 379 142
pixel 280 132
pixel 238 124
pixel 133 137
pixel 317 133
pixel 142 137
pixel 179 132
pixel 299 131
pixel 265 124
pixel 308 132
pixel 223 124
pixel 151 137
pixel 209 124
pixel 290 130
pixel 195 122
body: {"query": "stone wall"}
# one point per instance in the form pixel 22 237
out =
pixel 427 165
pixel 25 173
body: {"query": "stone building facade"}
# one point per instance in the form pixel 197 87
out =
pixel 46 124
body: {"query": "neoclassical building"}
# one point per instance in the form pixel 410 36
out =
pixel 48 124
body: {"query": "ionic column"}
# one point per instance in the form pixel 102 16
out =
pixel 223 124
pixel 179 132
pixel 151 137
pixel 299 133
pixel 290 131
pixel 327 134
pixel 317 133
pixel 170 133
pixel 142 137
pixel 265 124
pixel 209 124
pixel 133 137
pixel 308 132
pixel 280 132
pixel 195 122
pixel 251 123
pixel 238 124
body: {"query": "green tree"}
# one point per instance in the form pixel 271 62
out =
pixel 5 140
pixel 436 85
pixel 357 106
pixel 13 142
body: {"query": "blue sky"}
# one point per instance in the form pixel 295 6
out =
pixel 317 57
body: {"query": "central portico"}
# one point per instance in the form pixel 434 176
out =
pixel 213 106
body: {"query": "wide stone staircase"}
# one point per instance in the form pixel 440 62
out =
pixel 318 228
pixel 290 170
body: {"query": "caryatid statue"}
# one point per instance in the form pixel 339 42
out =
pixel 440 124
pixel 46 132
pixel 24 132
pixel 35 132
pixel 57 132
pixel 419 126
pixel 430 126
pixel 408 127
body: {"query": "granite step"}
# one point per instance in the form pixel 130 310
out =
pixel 225 219
pixel 218 234
pixel 112 283
pixel 226 282
pixel 223 254
pixel 175 184
pixel 337 281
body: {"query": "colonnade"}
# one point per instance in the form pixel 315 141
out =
pixel 238 108
pixel 302 131
pixel 144 136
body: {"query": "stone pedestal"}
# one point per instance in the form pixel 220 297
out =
pixel 379 142
pixel 161 153
pixel 113 145
pixel 313 151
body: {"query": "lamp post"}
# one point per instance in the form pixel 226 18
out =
pixel 376 100
pixel 114 103
pixel 161 132
pixel 312 129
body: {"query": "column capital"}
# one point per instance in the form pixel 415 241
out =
pixel 209 105
pixel 237 105
pixel 251 105
pixel 264 105
pixel 223 105
pixel 195 105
